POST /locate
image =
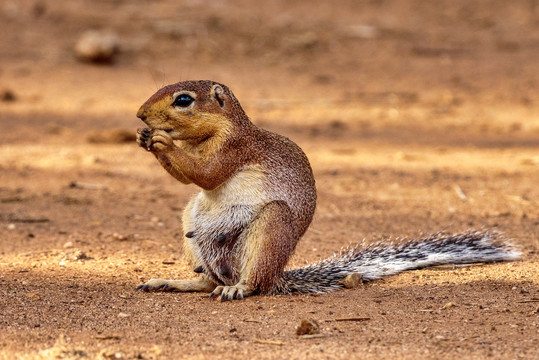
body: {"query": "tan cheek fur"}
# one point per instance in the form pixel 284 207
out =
pixel 157 114
pixel 190 124
pixel 204 125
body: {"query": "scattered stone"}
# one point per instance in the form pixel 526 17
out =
pixel 449 305
pixel 352 281
pixel 7 95
pixel 308 327
pixel 68 245
pixel 97 47
pixel 73 255
pixel 109 355
pixel 119 237
pixel 11 227
pixel 80 255
pixel 123 315
pixel 33 296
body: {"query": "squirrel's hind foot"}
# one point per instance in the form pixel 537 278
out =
pixel 236 292
pixel 200 284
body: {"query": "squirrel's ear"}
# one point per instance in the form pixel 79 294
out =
pixel 219 94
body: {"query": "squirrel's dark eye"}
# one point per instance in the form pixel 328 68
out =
pixel 183 100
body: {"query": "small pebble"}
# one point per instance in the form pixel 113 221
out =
pixel 119 237
pixel 352 281
pixel 80 255
pixel 308 327
pixel 97 47
pixel 33 296
pixel 7 96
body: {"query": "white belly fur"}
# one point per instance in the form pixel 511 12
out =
pixel 244 189
pixel 226 209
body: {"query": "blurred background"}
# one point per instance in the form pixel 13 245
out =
pixel 374 66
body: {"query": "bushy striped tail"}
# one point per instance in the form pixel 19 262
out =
pixel 382 259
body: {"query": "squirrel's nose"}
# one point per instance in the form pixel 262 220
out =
pixel 141 114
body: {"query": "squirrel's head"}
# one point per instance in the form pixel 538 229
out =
pixel 193 110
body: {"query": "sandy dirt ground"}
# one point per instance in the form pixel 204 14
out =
pixel 417 116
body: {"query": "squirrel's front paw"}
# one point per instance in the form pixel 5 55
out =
pixel 143 135
pixel 154 139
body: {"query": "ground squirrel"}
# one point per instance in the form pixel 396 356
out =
pixel 258 198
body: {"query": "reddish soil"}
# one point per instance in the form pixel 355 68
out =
pixel 417 116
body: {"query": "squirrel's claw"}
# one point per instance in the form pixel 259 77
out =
pixel 228 293
pixel 216 292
